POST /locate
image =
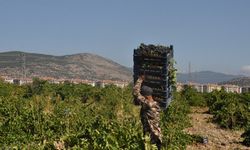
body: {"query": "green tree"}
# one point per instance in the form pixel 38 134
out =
pixel 193 97
pixel 230 110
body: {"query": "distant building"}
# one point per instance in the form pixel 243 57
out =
pixel 120 84
pixel 207 88
pixel 9 80
pixel 232 88
pixel 17 81
pixel 245 89
pixel 89 82
pixel 197 86
pixel 105 83
pixel 100 84
pixel 54 81
pixel 179 87
pixel 211 87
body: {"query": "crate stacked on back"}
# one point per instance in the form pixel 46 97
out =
pixel 154 62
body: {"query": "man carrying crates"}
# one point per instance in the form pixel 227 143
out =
pixel 152 89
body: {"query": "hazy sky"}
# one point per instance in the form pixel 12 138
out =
pixel 211 34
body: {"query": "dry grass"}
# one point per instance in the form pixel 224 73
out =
pixel 218 139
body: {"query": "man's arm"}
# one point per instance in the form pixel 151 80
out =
pixel 137 90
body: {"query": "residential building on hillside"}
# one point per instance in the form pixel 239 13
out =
pixel 101 83
pixel 211 87
pixel 179 87
pixel 8 80
pixel 197 86
pixel 207 88
pixel 232 88
pixel 245 89
pixel 104 83
pixel 89 82
pixel 18 81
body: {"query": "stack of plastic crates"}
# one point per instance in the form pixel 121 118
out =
pixel 154 62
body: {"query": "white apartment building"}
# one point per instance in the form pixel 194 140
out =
pixel 207 88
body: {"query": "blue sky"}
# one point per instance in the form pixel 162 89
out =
pixel 210 34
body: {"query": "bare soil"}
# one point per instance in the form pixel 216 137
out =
pixel 218 138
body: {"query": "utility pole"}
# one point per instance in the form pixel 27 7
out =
pixel 23 67
pixel 189 73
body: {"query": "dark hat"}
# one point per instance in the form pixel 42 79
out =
pixel 146 91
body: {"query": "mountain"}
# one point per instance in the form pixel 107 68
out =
pixel 243 81
pixel 205 77
pixel 87 66
pixel 82 66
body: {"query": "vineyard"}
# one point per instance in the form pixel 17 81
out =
pixel 78 116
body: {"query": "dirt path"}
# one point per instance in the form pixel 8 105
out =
pixel 218 139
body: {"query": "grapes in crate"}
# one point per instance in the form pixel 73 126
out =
pixel 155 62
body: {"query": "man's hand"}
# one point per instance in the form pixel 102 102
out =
pixel 142 77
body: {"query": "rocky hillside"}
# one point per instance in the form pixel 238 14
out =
pixel 243 81
pixel 205 77
pixel 82 66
